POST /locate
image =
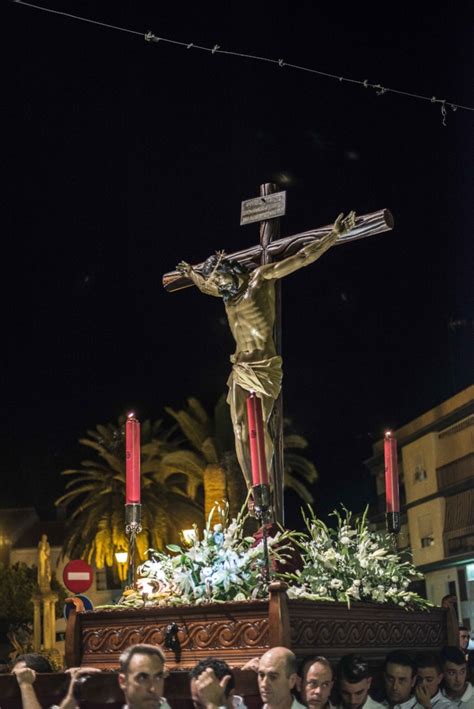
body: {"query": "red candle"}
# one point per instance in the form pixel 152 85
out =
pixel 132 460
pixel 257 440
pixel 391 473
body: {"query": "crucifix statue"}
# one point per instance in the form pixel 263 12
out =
pixel 248 283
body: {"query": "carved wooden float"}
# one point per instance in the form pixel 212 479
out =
pixel 238 632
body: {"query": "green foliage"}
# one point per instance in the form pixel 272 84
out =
pixel 17 585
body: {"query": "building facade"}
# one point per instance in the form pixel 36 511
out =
pixel 436 466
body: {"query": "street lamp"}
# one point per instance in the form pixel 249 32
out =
pixel 189 536
pixel 122 558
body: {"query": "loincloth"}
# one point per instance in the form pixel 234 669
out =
pixel 263 377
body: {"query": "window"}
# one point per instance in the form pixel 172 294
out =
pixel 461 545
pixel 425 530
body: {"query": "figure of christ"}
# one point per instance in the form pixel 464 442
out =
pixel 249 299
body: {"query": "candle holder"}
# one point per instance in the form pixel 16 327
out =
pixel 262 506
pixel 392 522
pixel 133 527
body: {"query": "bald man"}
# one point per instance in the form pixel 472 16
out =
pixel 317 683
pixel 277 675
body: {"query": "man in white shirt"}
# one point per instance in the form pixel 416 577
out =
pixel 317 682
pixel 277 675
pixel 399 679
pixel 353 682
pixel 429 676
pixel 25 668
pixel 142 675
pixel 456 687
pixel 212 684
pixel 141 678
pixel 464 640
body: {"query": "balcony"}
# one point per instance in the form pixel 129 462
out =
pixel 459 523
pixel 458 472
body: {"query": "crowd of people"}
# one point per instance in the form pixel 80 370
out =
pixel 426 681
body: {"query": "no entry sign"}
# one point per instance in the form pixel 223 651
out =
pixel 78 576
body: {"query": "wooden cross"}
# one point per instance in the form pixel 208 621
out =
pixel 272 248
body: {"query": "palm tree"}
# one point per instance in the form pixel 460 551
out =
pixel 210 461
pixel 212 457
pixel 96 527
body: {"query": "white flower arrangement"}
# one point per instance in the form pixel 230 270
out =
pixel 223 566
pixel 351 563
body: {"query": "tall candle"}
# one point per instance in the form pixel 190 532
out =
pixel 132 460
pixel 391 473
pixel 256 440
pixel 392 498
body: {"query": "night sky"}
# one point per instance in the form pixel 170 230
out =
pixel 123 157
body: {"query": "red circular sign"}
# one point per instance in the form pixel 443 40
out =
pixel 78 576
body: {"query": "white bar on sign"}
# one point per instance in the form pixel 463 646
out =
pixel 78 576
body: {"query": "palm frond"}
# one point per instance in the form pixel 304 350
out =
pixel 293 440
pixel 297 486
pixel 298 465
pixel 182 461
pixel 192 428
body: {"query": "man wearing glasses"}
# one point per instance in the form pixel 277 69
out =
pixel 317 683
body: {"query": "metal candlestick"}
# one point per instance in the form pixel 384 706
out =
pixel 392 522
pixel 133 527
pixel 262 505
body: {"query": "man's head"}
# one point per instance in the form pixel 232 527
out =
pixel 277 676
pixel 142 676
pixel 353 681
pixel 227 274
pixel 34 661
pixel 399 677
pixel 317 682
pixel 429 672
pixel 464 637
pixel 221 669
pixel 454 668
pixel 449 601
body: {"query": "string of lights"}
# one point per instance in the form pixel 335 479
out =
pixel 217 49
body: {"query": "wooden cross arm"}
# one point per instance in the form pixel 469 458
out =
pixel 365 225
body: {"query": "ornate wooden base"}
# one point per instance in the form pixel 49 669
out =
pixel 238 632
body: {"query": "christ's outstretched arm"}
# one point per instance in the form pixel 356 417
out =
pixel 308 254
pixel 206 286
